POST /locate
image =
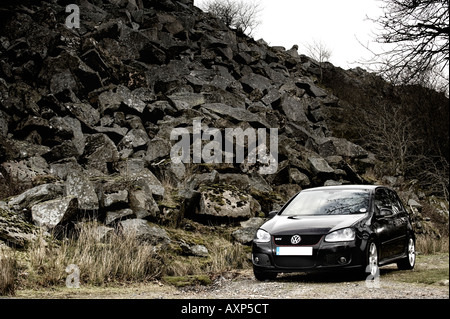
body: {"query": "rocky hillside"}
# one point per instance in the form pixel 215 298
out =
pixel 88 115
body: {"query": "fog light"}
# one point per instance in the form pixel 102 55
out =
pixel 342 260
pixel 256 260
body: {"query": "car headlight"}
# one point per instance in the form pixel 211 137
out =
pixel 346 234
pixel 262 236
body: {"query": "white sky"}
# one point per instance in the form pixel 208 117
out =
pixel 335 23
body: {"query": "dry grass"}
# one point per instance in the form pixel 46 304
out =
pixel 117 259
pixel 427 245
pixel 8 273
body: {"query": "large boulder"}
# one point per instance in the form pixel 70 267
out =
pixel 99 151
pixel 35 195
pixel 144 232
pixel 51 213
pixel 79 186
pixel 226 203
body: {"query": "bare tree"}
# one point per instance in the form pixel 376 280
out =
pixel 415 34
pixel 238 14
pixel 319 52
pixel 389 132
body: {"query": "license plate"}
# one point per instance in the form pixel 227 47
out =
pixel 294 251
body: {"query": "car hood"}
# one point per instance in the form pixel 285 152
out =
pixel 285 225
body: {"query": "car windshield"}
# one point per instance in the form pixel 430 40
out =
pixel 328 202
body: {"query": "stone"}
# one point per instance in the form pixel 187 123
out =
pixel 35 195
pixel 246 233
pixel 294 108
pixel 225 203
pixel 202 251
pixel 236 114
pixel 157 149
pixel 299 178
pixel 119 198
pixel 186 100
pixel 117 216
pixel 134 140
pixel 79 186
pixel 100 151
pixel 51 213
pixel 143 204
pixel 255 82
pixel 320 166
pixel 144 232
pixel 84 112
pixel 14 229
pixel 330 146
pixel 63 81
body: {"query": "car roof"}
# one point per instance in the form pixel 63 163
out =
pixel 343 187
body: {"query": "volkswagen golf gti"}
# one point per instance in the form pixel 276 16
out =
pixel 358 227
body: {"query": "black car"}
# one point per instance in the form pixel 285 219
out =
pixel 353 227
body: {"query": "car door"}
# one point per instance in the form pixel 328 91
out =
pixel 385 226
pixel 400 219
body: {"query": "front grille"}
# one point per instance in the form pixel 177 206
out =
pixel 295 261
pixel 306 240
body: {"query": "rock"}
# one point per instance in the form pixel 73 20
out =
pixel 63 167
pixel 14 229
pixel 143 204
pixel 312 89
pixel 414 203
pixel 134 140
pixel 36 195
pixel 144 232
pixel 183 100
pixel 117 216
pixel 236 114
pixel 299 178
pixel 62 81
pixel 79 186
pixel 84 112
pixel 246 234
pixel 295 108
pixel 119 198
pixel 51 213
pixel 157 149
pixel 338 146
pixel 255 82
pixel 225 203
pixel 320 166
pixel 100 151
pixel 202 251
pixel 26 171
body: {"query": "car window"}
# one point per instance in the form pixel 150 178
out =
pixel 382 200
pixel 397 206
pixel 328 202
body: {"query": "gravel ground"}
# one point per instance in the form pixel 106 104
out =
pixel 317 286
pixel 243 285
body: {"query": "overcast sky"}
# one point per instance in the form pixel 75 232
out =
pixel 337 24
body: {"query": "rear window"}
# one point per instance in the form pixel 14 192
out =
pixel 328 202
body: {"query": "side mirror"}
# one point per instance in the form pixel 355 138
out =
pixel 385 212
pixel 272 214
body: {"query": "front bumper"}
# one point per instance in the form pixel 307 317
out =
pixel 325 256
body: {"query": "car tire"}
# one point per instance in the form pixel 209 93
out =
pixel 264 275
pixel 409 261
pixel 372 268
